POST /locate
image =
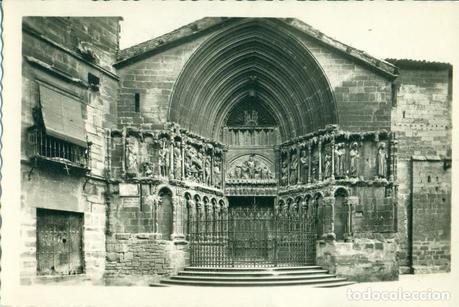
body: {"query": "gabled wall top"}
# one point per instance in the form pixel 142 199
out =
pixel 208 24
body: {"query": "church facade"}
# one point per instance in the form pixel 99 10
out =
pixel 255 142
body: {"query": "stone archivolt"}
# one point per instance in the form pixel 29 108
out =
pixel 251 58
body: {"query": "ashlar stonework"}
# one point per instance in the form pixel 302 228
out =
pixel 139 162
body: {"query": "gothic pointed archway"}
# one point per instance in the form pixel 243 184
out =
pixel 253 59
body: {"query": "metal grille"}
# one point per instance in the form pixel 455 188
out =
pixel 253 237
pixel 50 147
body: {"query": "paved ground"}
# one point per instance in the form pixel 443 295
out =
pixel 424 290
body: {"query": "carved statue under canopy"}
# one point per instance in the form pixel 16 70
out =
pixel 131 158
pixel 177 161
pixel 354 160
pixel 327 165
pixel 217 173
pixel 382 160
pixel 293 168
pixel 163 159
pixel 304 166
pixel 340 152
pixel 284 173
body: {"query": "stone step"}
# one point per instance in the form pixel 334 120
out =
pixel 312 275
pixel 218 283
pixel 335 284
pixel 252 278
pixel 251 269
pixel 252 273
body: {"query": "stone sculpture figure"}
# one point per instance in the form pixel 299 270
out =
pixel 340 152
pixel 200 166
pixel 284 173
pixel 147 169
pixel 163 161
pixel 131 158
pixel 207 169
pixel 266 173
pixel 258 172
pixel 250 166
pixel 327 166
pixel 382 160
pixel 217 173
pixel 304 166
pixel 177 161
pixel 315 166
pixel 293 169
pixel 354 160
pixel 187 164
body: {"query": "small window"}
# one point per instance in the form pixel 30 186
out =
pixel 137 102
pixel 59 133
pixel 94 82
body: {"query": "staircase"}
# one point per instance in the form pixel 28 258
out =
pixel 313 276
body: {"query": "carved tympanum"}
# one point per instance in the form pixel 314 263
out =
pixel 251 168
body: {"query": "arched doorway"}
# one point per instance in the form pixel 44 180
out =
pixel 253 85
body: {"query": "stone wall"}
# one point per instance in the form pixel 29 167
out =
pixel 58 191
pixel 363 96
pixel 431 216
pixel 58 51
pixel 153 78
pixel 421 119
pixel 142 258
pixel 361 260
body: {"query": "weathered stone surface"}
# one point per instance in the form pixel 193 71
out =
pixel 128 233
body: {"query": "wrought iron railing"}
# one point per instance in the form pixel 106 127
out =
pixel 54 149
pixel 253 237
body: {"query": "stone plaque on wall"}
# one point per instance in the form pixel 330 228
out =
pixel 129 189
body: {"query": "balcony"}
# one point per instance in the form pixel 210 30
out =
pixel 51 151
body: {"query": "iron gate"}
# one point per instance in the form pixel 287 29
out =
pixel 253 237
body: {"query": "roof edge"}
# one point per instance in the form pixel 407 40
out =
pixel 419 64
pixel 184 32
pixel 206 23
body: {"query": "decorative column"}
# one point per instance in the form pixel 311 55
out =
pixel 319 150
pixel 329 217
pixel 332 141
pixel 212 157
pixel 352 202
pixel 123 162
pixel 223 167
pixel 309 161
pixel 198 219
pixel 171 158
pixel 157 203
pixel 277 165
pixel 182 159
pixel 288 166
pixel 298 161
pixel 393 157
pixel 191 219
pixel 175 205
